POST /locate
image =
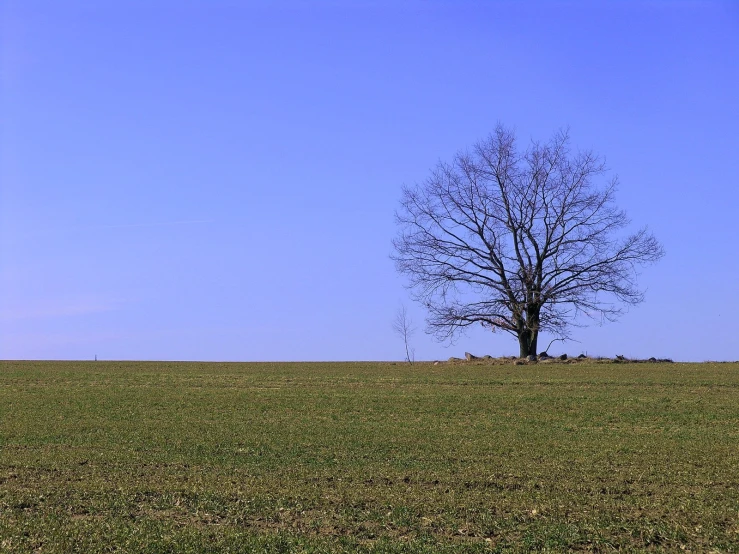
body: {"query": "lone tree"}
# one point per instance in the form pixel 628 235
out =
pixel 522 241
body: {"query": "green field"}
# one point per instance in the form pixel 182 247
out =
pixel 368 457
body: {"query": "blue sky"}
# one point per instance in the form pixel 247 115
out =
pixel 217 180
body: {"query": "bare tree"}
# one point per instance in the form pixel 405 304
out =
pixel 521 241
pixel 403 327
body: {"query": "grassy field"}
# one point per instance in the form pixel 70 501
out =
pixel 368 457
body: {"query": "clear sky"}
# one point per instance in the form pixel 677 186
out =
pixel 217 180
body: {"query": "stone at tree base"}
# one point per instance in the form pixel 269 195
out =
pixel 531 358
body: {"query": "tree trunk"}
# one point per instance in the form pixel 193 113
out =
pixel 527 342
